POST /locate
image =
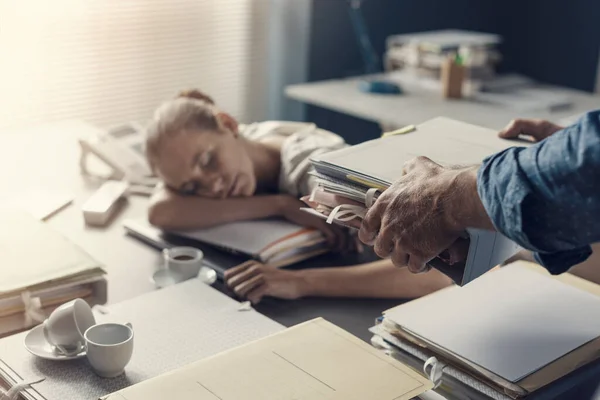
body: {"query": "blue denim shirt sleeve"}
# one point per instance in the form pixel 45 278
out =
pixel 547 197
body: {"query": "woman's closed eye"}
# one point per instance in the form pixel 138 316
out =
pixel 206 159
pixel 189 188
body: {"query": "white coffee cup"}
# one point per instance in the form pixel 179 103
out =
pixel 183 263
pixel 109 348
pixel 65 327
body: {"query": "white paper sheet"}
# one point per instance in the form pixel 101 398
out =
pixel 511 322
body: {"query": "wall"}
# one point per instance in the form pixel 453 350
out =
pixel 289 39
pixel 553 41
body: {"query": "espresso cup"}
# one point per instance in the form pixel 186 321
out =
pixel 109 348
pixel 183 263
pixel 65 327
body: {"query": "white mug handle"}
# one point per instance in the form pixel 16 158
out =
pixel 60 349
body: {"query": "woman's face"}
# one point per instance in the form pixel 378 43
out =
pixel 206 163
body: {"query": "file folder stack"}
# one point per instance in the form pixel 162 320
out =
pixel 350 180
pixel 512 334
pixel 40 270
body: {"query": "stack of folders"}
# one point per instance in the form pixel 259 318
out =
pixel 357 175
pixel 513 333
pixel 40 270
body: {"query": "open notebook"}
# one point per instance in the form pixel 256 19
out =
pixel 359 173
pixel 274 241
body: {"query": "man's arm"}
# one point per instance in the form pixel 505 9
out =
pixel 547 197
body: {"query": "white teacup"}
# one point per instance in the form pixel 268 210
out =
pixel 65 327
pixel 183 263
pixel 109 348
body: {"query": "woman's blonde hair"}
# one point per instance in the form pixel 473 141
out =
pixel 189 110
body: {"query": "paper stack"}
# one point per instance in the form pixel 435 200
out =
pixel 351 179
pixel 40 270
pixel 525 331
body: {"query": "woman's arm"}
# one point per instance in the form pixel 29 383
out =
pixel 379 279
pixel 169 210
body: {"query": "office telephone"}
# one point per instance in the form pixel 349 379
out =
pixel 122 149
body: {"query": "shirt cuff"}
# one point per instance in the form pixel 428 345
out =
pixel 557 263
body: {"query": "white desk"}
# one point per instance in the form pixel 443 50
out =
pixel 417 105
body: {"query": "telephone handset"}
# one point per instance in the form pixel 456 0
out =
pixel 122 149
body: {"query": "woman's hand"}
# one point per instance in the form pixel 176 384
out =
pixel 538 129
pixel 337 238
pixel 253 280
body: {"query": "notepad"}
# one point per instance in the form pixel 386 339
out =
pixel 315 360
pixel 511 322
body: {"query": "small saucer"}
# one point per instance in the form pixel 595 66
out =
pixel 164 277
pixel 36 344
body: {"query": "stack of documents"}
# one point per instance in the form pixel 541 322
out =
pixel 357 175
pixel 508 334
pixel 40 270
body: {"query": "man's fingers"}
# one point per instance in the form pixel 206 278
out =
pixel 411 165
pixel 417 264
pixel 399 256
pixel 537 128
pixel 371 223
pixel 384 243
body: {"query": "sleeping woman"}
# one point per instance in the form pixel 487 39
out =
pixel 215 170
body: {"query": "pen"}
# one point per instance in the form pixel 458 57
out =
pixel 401 131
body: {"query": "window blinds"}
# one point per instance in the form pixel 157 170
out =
pixel 112 61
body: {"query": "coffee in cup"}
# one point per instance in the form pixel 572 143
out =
pixel 183 263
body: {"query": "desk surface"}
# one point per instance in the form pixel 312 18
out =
pixel 418 105
pixel 47 157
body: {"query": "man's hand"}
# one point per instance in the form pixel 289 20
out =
pixel 423 213
pixel 537 129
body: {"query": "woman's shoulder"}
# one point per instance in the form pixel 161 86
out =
pixel 299 131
